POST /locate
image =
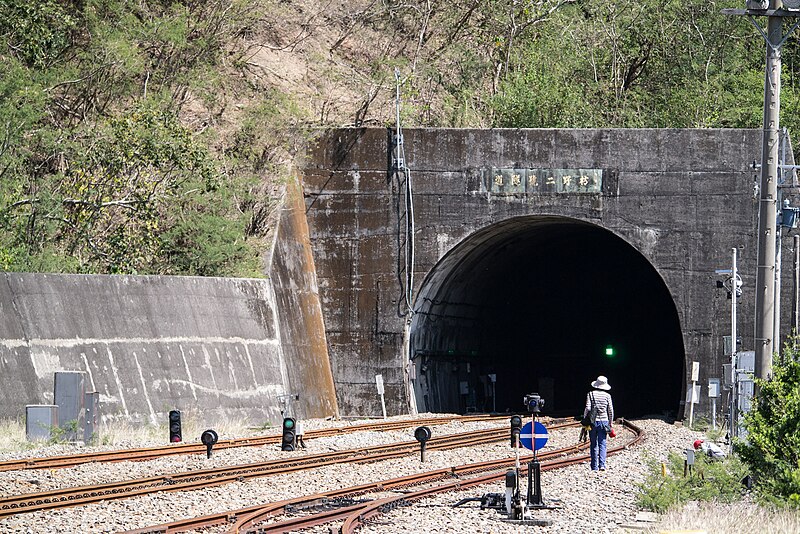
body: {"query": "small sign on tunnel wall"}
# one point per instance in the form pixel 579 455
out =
pixel 537 181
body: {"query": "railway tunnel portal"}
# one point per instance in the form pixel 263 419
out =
pixel 545 304
pixel 525 254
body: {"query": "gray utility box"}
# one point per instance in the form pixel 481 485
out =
pixel 40 420
pixel 69 391
pixel 91 417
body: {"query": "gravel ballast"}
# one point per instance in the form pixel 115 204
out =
pixel 588 501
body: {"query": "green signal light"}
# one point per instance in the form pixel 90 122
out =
pixel 610 352
pixel 288 423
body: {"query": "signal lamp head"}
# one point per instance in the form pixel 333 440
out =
pixel 175 426
pixel 516 422
pixel 516 428
pixel 209 439
pixel 533 402
pixel 422 434
pixel 289 436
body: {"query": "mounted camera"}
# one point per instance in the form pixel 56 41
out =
pixel 533 402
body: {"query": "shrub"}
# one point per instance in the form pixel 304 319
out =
pixel 710 480
pixel 772 447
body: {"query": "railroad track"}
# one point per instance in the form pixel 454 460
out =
pixel 193 480
pixel 252 519
pixel 361 516
pixel 150 453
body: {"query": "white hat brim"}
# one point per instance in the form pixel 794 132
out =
pixel 601 385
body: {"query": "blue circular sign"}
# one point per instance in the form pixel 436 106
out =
pixel 533 441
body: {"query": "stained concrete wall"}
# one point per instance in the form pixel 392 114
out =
pixel 302 330
pixel 213 348
pixel 682 198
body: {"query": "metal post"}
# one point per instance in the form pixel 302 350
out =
pixel 796 287
pixel 534 496
pixel 494 395
pixel 765 272
pixel 714 413
pixel 776 327
pixel 734 278
pixel 776 335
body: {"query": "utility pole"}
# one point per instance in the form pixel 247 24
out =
pixel 768 191
pixel 768 197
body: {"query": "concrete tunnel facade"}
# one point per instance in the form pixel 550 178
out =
pixel 518 272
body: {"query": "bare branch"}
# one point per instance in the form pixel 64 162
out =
pixel 124 203
pixel 24 202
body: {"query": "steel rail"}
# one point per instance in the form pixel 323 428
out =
pixel 246 517
pixel 363 514
pixel 149 453
pixel 246 522
pixel 187 481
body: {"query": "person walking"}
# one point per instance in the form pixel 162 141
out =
pixel 599 399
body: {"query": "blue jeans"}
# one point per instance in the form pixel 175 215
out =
pixel 597 439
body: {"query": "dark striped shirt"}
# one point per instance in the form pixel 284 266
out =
pixel 603 403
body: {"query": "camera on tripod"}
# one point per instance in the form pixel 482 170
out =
pixel 533 402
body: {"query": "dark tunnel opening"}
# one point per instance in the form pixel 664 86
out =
pixel 536 304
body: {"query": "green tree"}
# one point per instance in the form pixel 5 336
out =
pixel 98 172
pixel 636 64
pixel 772 448
pixel 37 33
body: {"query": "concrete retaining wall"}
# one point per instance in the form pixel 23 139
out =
pixel 211 347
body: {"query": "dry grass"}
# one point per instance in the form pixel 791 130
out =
pixel 122 434
pixel 717 518
pixel 12 436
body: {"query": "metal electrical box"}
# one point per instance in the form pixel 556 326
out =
pixel 40 420
pixel 713 388
pixel 69 389
pixel 746 361
pixel 727 375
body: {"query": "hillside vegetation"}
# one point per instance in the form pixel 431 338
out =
pixel 155 137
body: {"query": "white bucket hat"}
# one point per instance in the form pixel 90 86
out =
pixel 601 383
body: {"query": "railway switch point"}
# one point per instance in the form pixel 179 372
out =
pixel 531 522
pixel 493 501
